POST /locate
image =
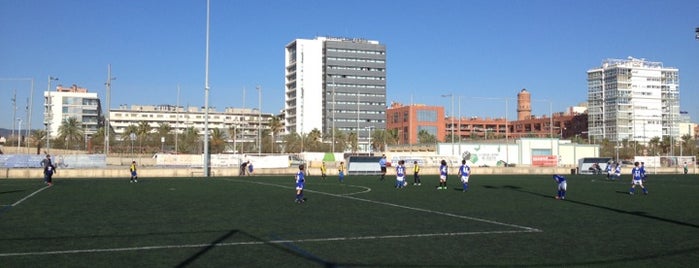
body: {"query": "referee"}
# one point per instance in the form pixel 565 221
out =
pixel 382 163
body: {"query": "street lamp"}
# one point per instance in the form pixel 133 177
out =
pixel 452 120
pixel 49 105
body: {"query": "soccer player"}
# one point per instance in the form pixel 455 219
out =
pixel 610 171
pixel 323 170
pixel 300 183
pixel 643 171
pixel 49 170
pixel 134 176
pixel 382 163
pixel 464 173
pixel 416 174
pixel 341 172
pixel 400 174
pixel 685 168
pixel 443 172
pixel 637 173
pixel 250 168
pixel 617 172
pixel 562 186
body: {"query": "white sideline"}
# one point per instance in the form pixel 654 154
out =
pixel 30 195
pixel 351 238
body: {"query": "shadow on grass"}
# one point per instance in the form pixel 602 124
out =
pixel 14 191
pixel 287 247
pixel 634 213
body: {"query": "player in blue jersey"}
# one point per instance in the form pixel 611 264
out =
pixel 464 173
pixel 562 186
pixel 443 172
pixel 638 174
pixel 617 172
pixel 643 170
pixel 300 183
pixel 609 170
pixel 400 174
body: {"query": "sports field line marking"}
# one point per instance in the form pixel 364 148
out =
pixel 307 240
pixel 30 195
pixel 531 229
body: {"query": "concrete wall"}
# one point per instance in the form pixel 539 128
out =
pixel 153 172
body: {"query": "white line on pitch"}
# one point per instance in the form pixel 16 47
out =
pixel 307 240
pixel 406 207
pixel 30 195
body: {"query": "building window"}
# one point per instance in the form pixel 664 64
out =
pixel 430 129
pixel 426 116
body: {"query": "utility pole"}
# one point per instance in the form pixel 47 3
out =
pixel 49 107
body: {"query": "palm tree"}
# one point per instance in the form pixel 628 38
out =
pixel 143 132
pixel 218 141
pixel 654 144
pixel 314 141
pixel 37 138
pixel 353 141
pixel 190 141
pixel 70 131
pixel 275 126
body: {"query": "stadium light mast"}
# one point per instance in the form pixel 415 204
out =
pixel 30 104
pixel 259 120
pixel 206 94
pixel 106 116
pixel 49 107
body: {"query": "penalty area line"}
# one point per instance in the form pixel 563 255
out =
pixel 245 243
pixel 30 195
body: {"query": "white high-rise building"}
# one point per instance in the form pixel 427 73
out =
pixel 335 83
pixel 633 100
pixel 76 102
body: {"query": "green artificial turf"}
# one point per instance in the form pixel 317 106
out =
pixel 503 220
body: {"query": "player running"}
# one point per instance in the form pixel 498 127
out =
pixel 638 173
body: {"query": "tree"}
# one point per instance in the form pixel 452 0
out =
pixel 378 140
pixel 37 137
pixel 275 126
pixel 654 144
pixel 425 137
pixel 353 141
pixel 218 141
pixel 71 132
pixel 233 134
pixel 143 133
pixel 190 141
pixel 314 141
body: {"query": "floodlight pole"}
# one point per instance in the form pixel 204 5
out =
pixel 206 95
pixel 49 105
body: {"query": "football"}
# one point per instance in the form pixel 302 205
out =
pixel 557 197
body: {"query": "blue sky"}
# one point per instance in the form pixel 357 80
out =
pixel 487 49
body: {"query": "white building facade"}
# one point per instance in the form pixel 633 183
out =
pixel 633 100
pixel 335 83
pixel 246 122
pixel 75 102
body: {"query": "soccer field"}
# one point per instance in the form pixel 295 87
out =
pixel 506 220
